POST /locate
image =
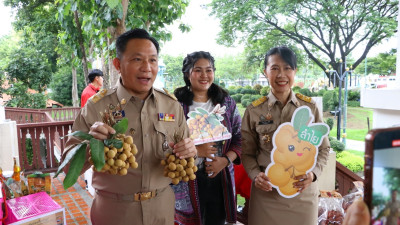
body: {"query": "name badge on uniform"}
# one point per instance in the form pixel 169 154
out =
pixel 166 117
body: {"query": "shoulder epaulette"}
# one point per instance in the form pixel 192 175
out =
pixel 99 95
pixel 259 101
pixel 166 92
pixel 303 97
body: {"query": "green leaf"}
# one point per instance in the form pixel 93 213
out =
pixel 113 142
pixel 121 126
pixel 112 3
pixel 301 118
pixel 202 111
pixel 75 168
pixel 97 153
pixel 69 156
pixel 120 11
pixel 322 129
pixel 193 114
pixel 79 134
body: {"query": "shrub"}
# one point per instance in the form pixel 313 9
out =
pixel 337 145
pixel 352 162
pixel 296 89
pixel 247 91
pixel 246 96
pixel 330 100
pixel 353 103
pixel 237 98
pixel 306 92
pixel 257 88
pixel 245 102
pixel 265 90
pixel 353 95
pixel 255 97
pixel 321 92
pixel 329 122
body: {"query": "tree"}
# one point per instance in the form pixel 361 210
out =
pixel 382 64
pixel 326 30
pixel 173 71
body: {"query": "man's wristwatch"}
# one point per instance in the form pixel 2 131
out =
pixel 229 160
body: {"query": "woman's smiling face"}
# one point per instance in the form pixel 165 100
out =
pixel 201 75
pixel 280 75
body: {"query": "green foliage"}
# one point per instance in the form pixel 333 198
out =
pixel 296 89
pixel 330 123
pixel 255 97
pixel 291 22
pixel 173 72
pixel 383 64
pixel 246 96
pixel 237 98
pixel 306 92
pixel 337 145
pixel 352 162
pixel 330 100
pixel 22 99
pixel 390 173
pixel 321 92
pixel 353 103
pixel 245 102
pixel 61 85
pixel 258 88
pixel 29 150
pixel 353 95
pixel 265 90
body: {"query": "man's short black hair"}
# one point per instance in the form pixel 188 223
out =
pixel 136 33
pixel 94 73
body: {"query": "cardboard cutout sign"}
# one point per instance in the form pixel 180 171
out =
pixel 295 150
pixel 207 127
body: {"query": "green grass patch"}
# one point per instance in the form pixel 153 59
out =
pixel 241 109
pixel 352 134
pixel 240 200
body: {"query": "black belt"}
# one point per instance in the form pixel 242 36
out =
pixel 262 168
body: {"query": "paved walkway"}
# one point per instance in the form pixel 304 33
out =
pixel 76 200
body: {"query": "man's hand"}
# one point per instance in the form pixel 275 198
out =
pixel 184 149
pixel 101 131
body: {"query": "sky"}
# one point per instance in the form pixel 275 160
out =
pixel 202 37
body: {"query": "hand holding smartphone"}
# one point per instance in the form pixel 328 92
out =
pixel 382 175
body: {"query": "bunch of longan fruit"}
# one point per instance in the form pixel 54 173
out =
pixel 179 169
pixel 118 161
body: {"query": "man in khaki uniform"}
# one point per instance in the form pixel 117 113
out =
pixel 260 121
pixel 143 196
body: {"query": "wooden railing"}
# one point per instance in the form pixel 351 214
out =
pixel 40 130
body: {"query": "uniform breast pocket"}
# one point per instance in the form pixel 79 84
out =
pixel 160 140
pixel 265 134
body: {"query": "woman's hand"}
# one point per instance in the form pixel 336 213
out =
pixel 262 182
pixel 304 181
pixel 184 149
pixel 206 150
pixel 215 166
pixel 101 131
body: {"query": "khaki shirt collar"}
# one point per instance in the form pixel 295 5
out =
pixel 292 98
pixel 123 93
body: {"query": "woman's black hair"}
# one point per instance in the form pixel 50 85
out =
pixel 184 94
pixel 286 53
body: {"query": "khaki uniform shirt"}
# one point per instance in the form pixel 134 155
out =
pixel 149 135
pixel 256 153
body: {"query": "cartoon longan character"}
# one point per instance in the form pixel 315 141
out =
pixel 295 150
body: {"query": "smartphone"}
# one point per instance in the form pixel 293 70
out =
pixel 382 175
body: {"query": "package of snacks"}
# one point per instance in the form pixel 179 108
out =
pixel 330 210
pixel 38 182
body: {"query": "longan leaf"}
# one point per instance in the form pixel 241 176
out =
pixel 97 153
pixel 113 142
pixel 322 129
pixel 202 111
pixel 79 134
pixel 193 114
pixel 69 156
pixel 301 118
pixel 75 167
pixel 121 126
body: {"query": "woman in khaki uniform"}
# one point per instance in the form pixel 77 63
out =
pixel 259 123
pixel 144 195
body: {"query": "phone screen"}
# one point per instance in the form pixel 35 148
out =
pixel 385 198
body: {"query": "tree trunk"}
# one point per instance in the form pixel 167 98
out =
pixel 115 32
pixel 104 68
pixel 82 46
pixel 75 99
